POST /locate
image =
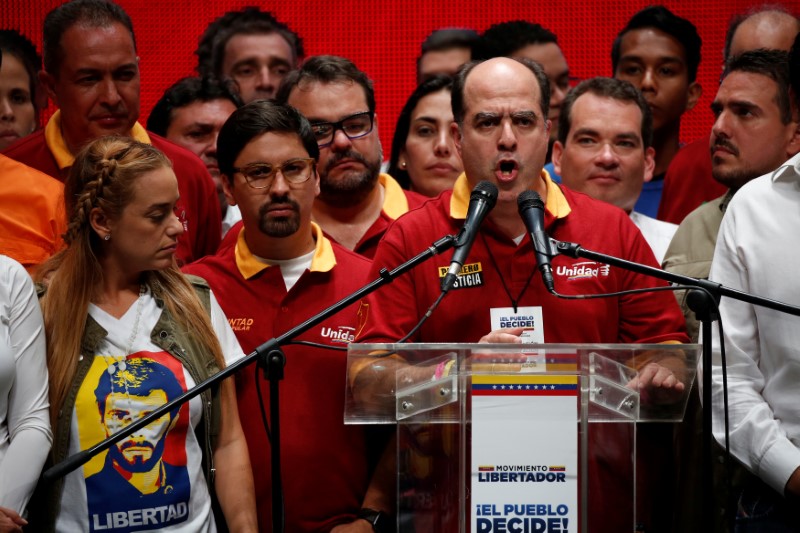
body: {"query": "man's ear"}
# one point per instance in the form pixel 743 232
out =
pixel 456 131
pixel 793 146
pixel 558 150
pixel 695 91
pixel 649 163
pixel 48 83
pixel 227 189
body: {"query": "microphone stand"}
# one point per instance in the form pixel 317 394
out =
pixel 274 359
pixel 701 304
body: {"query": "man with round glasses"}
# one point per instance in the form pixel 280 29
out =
pixel 356 202
pixel 280 271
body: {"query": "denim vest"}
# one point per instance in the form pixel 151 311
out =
pixel 45 502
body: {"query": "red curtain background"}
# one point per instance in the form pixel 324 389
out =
pixel 383 37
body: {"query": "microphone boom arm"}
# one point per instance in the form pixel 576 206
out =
pixel 577 251
pixel 385 277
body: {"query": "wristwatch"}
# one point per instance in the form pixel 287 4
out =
pixel 379 520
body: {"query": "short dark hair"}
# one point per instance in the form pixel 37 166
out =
pixel 505 38
pixel 254 119
pixel 460 80
pixel 247 21
pixel 662 19
pixel 448 39
pixel 327 69
pixel 13 43
pixel 403 127
pixel 620 90
pixel 737 20
pixel 90 13
pixel 187 91
pixel 773 64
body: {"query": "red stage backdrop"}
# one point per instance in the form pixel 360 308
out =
pixel 383 37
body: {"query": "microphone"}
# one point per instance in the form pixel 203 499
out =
pixel 481 201
pixel 531 209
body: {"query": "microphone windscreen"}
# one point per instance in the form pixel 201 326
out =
pixel 486 190
pixel 528 199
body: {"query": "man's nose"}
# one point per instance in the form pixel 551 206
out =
pixel 508 139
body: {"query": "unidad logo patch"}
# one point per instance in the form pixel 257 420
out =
pixel 583 270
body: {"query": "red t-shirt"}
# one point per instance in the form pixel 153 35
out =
pixel 688 183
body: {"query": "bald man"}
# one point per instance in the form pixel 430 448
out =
pixel 500 107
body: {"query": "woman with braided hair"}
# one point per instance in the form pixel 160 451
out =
pixel 126 333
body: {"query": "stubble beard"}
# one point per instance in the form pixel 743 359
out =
pixel 736 178
pixel 350 188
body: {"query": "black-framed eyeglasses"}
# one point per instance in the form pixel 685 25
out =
pixel 354 127
pixel 261 175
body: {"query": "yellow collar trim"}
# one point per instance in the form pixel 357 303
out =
pixel 395 202
pixel 556 204
pixel 58 147
pixel 323 261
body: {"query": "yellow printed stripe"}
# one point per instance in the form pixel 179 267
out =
pixel 525 378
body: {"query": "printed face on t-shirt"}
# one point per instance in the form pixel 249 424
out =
pixel 140 451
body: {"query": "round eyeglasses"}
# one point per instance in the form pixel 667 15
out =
pixel 261 175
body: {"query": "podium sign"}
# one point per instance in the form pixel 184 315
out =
pixel 519 438
pixel 524 453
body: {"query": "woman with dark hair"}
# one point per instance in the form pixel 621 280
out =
pixel 424 157
pixel 21 99
pixel 127 332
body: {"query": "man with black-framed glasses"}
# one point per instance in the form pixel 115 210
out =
pixel 356 202
pixel 280 271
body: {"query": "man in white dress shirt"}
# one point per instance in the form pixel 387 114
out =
pixel 755 253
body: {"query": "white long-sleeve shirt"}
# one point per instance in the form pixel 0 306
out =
pixel 758 251
pixel 657 233
pixel 25 435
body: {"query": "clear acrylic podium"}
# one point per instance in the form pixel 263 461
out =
pixel 526 438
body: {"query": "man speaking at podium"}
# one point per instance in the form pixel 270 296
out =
pixel 501 131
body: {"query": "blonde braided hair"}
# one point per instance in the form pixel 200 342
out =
pixel 104 176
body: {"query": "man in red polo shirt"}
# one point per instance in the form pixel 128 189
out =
pixel 501 131
pixel 281 271
pixel 91 72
